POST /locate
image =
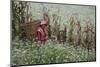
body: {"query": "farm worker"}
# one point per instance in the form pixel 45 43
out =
pixel 41 33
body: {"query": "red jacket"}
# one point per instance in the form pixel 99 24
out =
pixel 41 35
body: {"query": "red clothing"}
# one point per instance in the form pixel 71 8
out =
pixel 41 35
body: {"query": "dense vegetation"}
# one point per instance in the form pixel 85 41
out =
pixel 73 43
pixel 50 52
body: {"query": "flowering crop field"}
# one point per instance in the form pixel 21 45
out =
pixel 50 52
pixel 68 34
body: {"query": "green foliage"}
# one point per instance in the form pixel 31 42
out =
pixel 18 16
pixel 50 52
pixel 26 52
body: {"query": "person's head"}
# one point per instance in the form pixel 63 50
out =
pixel 43 24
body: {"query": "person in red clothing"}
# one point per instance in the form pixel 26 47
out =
pixel 41 33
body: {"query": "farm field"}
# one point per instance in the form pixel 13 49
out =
pixel 50 52
pixel 48 33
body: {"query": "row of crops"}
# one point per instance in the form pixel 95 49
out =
pixel 78 43
pixel 50 52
